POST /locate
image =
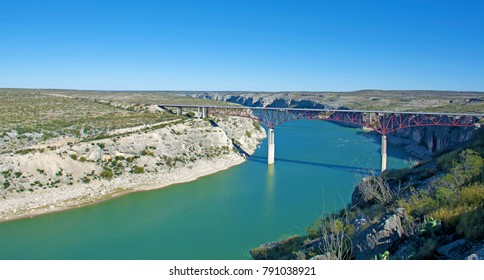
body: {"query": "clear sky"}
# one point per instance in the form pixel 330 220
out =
pixel 243 45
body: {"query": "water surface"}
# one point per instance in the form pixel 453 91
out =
pixel 221 216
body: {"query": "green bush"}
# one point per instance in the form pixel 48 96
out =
pixel 107 174
pixel 418 204
pixel 471 224
pixel 257 125
pixel 446 160
pixel 445 195
pixel 464 171
pixel 147 152
pixel 138 170
pixel 74 157
pixel 471 196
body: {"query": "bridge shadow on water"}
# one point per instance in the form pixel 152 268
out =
pixel 345 168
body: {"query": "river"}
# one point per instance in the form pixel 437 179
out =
pixel 221 216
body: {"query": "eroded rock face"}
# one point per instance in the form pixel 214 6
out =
pixel 380 237
pixel 423 141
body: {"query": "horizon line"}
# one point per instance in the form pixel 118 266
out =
pixel 252 91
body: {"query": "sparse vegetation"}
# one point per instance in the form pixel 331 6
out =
pixel 138 170
pixel 107 174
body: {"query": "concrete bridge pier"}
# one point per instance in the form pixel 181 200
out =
pixel 179 111
pixel 204 112
pixel 270 146
pixel 383 152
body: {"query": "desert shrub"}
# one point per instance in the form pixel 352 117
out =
pixel 257 125
pixel 335 242
pixel 418 204
pixel 471 196
pixel 471 224
pixel 449 215
pixel 147 152
pixel 375 188
pixel 445 195
pixel 86 180
pixel 74 157
pixel 107 174
pixel 138 170
pixel 465 170
pixel 82 159
pixel 248 134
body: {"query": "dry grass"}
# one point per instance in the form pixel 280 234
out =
pixel 34 112
pixel 31 116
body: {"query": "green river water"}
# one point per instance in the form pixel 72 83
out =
pixel 221 216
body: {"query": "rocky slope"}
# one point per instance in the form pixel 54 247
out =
pixel 63 173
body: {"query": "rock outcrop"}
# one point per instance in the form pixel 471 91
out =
pixel 424 141
pixel 380 237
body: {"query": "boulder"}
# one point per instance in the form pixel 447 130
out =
pixel 462 249
pixel 321 257
pixel 380 237
pixel 479 255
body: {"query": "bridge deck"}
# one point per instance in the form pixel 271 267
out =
pixel 478 115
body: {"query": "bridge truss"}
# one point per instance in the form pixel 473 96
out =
pixel 382 122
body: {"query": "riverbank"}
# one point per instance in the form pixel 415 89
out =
pixel 63 174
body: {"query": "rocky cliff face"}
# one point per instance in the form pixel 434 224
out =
pixel 254 101
pixel 419 141
pixel 424 141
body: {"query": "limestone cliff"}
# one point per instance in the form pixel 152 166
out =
pixel 63 173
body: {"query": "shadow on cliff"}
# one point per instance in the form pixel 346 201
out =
pixel 350 169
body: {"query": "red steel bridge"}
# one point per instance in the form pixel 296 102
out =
pixel 383 122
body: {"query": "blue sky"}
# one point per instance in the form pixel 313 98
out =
pixel 242 45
